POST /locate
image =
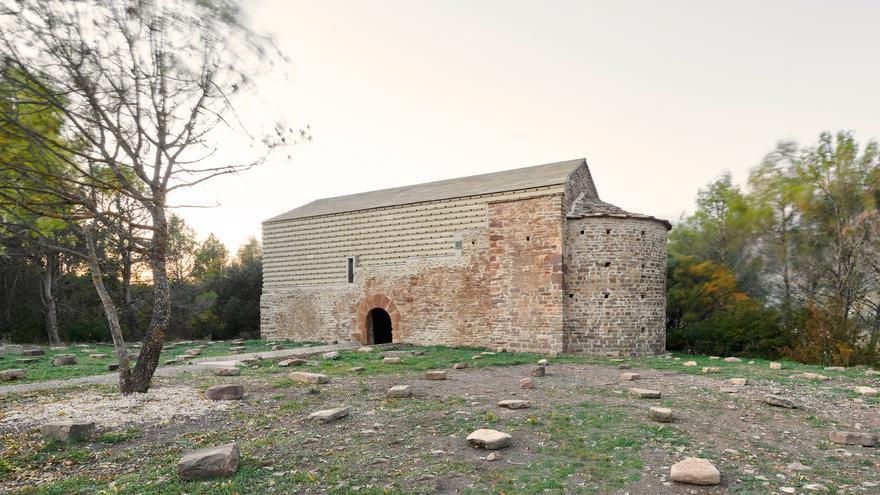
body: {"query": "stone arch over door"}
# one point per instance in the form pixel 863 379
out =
pixel 377 301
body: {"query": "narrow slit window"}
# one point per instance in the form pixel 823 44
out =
pixel 607 231
pixel 350 270
pixel 607 264
pixel 606 295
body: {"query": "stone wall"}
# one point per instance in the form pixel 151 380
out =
pixel 525 265
pixel 615 294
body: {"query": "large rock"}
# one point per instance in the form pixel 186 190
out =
pixel 661 414
pixel 227 371
pixel 779 401
pixel 629 377
pixel 695 471
pixel 68 431
pixel 225 392
pixel 489 439
pixel 862 390
pixel 853 438
pixel 689 363
pixel 644 393
pixel 435 375
pixel 303 377
pixel 291 362
pixel 776 366
pixel 330 355
pixel 526 383
pixel 64 360
pixel 33 352
pixel 391 360
pixel 328 415
pixel 460 366
pixel 399 392
pixel 12 374
pixel 539 371
pixel 515 404
pixel 212 462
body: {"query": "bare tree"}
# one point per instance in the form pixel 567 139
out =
pixel 141 86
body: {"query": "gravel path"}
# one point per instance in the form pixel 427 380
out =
pixel 198 365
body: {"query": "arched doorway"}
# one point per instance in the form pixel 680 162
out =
pixel 379 326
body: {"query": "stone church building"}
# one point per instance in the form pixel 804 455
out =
pixel 526 260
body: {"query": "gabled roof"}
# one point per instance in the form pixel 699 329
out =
pixel 585 206
pixel 508 180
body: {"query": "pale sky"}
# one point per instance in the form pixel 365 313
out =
pixel 660 97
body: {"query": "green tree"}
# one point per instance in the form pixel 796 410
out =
pixel 209 259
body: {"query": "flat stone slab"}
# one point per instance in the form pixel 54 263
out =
pixel 739 381
pixel 835 368
pixel 526 383
pixel 515 404
pixel 330 355
pixel 291 362
pixel 12 374
pixel 64 361
pixel 435 375
pixel 391 360
pixel 711 369
pixel 399 392
pixel 732 360
pixel 459 366
pixel 862 390
pixel 227 371
pixel 328 415
pixel 629 377
pixel 33 352
pixel 68 431
pixel 112 366
pixel 811 376
pixel 644 393
pixel 365 348
pixel 695 471
pixel 212 462
pixel 779 401
pixel 97 356
pixel 27 360
pixel 661 414
pixel 304 377
pixel 853 438
pixel 623 366
pixel 225 392
pixel 689 363
pixel 776 366
pixel 357 369
pixel 489 439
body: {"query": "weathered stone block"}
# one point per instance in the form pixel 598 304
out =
pixel 68 431
pixel 211 462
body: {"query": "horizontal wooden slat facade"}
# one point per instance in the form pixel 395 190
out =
pixel 313 250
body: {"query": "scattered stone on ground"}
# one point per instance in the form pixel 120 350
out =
pixel 493 456
pixel 237 349
pixel 225 392
pixel 476 357
pixel 539 371
pixel 526 383
pixel 64 360
pixel 797 467
pixel 689 363
pixel 661 414
pixel 357 369
pixel 732 360
pixel 330 355
pixel 399 392
pixel 33 352
pixel 835 368
pixel 853 438
pixel 211 462
pixel 435 375
pixel 328 415
pixel 872 372
pixel 728 390
pixel 711 369
pixel 391 360
pixel 12 374
pixel 816 487
pixel 644 393
pixel 489 439
pixel 779 401
pixel 193 352
pixel 776 366
pixel 515 404
pixel 715 358
pixel 542 362
pixel 623 366
pixel 460 366
pixel 27 360
pixel 739 381
pixel 284 363
pixel 695 471
pixel 112 366
pixel 629 377
pixel 68 431
pixel 811 376
pixel 487 353
pixel 227 371
pixel 863 390
pixel 305 377
pixel 97 356
pixel 365 348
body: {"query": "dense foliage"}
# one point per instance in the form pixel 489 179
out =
pixel 790 266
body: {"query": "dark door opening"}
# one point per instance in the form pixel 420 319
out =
pixel 379 326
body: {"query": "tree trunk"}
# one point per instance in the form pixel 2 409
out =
pixel 109 312
pixel 47 280
pixel 148 359
pixel 127 309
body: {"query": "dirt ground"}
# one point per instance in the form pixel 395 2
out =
pixel 583 434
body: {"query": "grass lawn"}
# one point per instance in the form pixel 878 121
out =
pixel 42 369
